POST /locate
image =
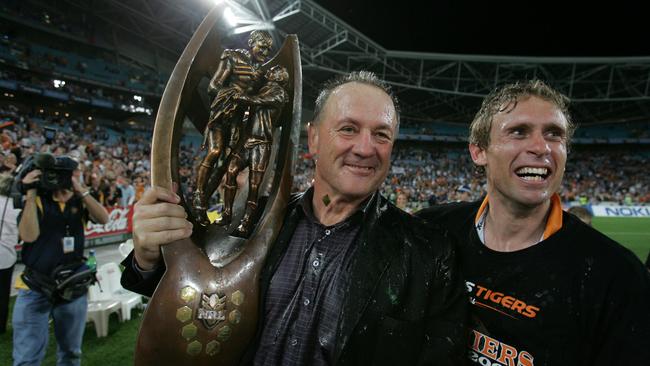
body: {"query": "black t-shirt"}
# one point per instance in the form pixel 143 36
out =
pixel 575 298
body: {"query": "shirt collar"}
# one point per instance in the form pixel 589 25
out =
pixel 553 222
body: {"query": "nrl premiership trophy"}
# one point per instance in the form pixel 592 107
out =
pixel 205 309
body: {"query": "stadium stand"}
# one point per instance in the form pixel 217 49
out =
pixel 57 72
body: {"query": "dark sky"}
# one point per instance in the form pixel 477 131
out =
pixel 491 27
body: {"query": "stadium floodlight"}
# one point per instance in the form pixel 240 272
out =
pixel 230 17
pixel 138 98
pixel 58 83
pixel 252 27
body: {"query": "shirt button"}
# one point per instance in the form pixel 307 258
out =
pixel 294 342
pixel 306 302
pixel 315 263
pixel 327 232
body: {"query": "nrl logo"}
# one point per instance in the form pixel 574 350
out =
pixel 212 309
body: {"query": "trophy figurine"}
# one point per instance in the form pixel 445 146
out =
pixel 238 73
pixel 247 103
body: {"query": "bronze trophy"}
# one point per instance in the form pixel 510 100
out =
pixel 205 309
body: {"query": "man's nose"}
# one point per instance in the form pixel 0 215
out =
pixel 538 144
pixel 364 144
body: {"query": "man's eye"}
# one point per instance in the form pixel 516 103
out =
pixel 555 134
pixel 347 129
pixel 382 136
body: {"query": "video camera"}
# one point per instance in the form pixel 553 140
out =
pixel 56 173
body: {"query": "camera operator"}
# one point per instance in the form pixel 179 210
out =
pixel 52 228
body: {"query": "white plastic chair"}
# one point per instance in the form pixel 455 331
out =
pixel 108 276
pixel 100 307
pixel 98 293
pixel 98 313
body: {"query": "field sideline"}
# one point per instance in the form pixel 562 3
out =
pixel 632 232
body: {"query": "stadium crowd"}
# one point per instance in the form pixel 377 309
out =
pixel 116 165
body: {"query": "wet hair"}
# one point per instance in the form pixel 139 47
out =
pixel 260 35
pixel 362 77
pixel 505 99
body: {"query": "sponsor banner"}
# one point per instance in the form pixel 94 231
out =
pixel 621 211
pixel 119 222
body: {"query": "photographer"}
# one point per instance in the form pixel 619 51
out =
pixel 51 224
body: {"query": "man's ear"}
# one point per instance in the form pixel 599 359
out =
pixel 312 138
pixel 478 155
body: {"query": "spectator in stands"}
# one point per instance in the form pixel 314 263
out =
pixel 402 201
pixel 463 193
pixel 582 213
pixel 113 193
pixel 128 192
pixel 361 234
pixel 554 290
pixel 96 190
pixel 9 164
pixel 140 186
pixel 8 241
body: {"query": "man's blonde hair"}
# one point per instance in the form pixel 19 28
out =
pixel 505 99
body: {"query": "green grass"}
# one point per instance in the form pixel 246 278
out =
pixel 114 350
pixel 631 232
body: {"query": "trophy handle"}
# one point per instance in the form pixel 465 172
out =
pixel 202 313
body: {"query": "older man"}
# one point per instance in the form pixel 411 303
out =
pixel 545 288
pixel 351 280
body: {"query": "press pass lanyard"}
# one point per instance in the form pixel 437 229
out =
pixel 68 240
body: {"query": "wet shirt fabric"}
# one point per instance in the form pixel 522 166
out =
pixel 306 292
pixel 575 298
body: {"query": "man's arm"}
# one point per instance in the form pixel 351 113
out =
pixel 28 227
pixel 95 209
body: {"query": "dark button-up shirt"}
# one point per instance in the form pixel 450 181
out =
pixel 306 292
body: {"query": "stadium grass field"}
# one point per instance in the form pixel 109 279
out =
pixel 632 232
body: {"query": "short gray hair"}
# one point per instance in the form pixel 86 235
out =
pixel 362 77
